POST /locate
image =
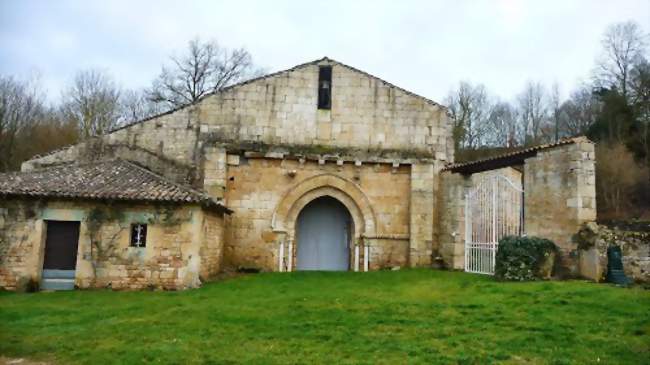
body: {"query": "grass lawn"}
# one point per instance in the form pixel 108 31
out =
pixel 410 316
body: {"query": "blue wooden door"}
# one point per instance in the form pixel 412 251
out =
pixel 323 232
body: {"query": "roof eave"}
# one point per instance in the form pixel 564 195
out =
pixel 509 159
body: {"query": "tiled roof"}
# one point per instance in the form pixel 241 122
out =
pixel 107 180
pixel 510 158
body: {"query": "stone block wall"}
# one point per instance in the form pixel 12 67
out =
pixel 258 187
pixel 211 251
pixel 20 241
pixel 214 171
pixel 451 219
pixel 593 241
pixel 560 196
pixel 177 237
pixel 366 113
pixel 422 204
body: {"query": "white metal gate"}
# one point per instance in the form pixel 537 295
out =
pixel 493 209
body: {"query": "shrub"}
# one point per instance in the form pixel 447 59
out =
pixel 524 258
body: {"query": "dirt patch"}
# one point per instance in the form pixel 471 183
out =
pixel 20 361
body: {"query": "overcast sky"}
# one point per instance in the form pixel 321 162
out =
pixel 423 46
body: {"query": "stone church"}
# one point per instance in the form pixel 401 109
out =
pixel 318 167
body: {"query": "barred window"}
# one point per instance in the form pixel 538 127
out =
pixel 138 235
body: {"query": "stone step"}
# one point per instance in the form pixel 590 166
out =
pixel 57 284
pixel 58 274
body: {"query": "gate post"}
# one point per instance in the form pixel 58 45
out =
pixel 494 219
pixel 468 229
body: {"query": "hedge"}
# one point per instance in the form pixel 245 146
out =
pixel 522 258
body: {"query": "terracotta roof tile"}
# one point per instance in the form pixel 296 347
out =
pixel 105 180
pixel 508 158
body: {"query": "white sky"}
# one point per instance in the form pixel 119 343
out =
pixel 423 46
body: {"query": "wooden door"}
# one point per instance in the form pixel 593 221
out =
pixel 323 236
pixel 61 245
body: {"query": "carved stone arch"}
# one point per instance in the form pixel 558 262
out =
pixel 345 191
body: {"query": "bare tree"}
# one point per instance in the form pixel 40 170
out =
pixel 92 101
pixel 502 125
pixel 207 67
pixel 533 112
pixel 469 107
pixel 578 113
pixel 136 105
pixel 640 92
pixel 49 133
pixel 21 106
pixel 555 110
pixel 623 44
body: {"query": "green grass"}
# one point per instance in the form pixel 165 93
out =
pixel 411 316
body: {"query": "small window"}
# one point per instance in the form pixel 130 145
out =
pixel 325 87
pixel 138 235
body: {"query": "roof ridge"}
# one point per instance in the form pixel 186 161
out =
pixel 56 150
pixel 186 188
pixel 50 167
pixel 430 101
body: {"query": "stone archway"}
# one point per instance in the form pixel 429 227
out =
pixel 345 191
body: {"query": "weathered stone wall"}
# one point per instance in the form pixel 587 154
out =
pixel 422 205
pixel 176 238
pixel 212 247
pixel 560 196
pixel 593 241
pixel 451 218
pixel 366 113
pixel 267 194
pixel 214 170
pixel 368 118
pixel 20 238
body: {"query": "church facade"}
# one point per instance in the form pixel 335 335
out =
pixel 321 167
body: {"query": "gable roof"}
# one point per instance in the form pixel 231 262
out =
pixel 509 159
pixel 278 73
pixel 106 180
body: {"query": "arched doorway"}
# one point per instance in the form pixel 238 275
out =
pixel 323 231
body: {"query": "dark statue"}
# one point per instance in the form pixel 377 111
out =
pixel 615 273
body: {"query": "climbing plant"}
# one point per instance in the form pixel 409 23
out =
pixel 101 249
